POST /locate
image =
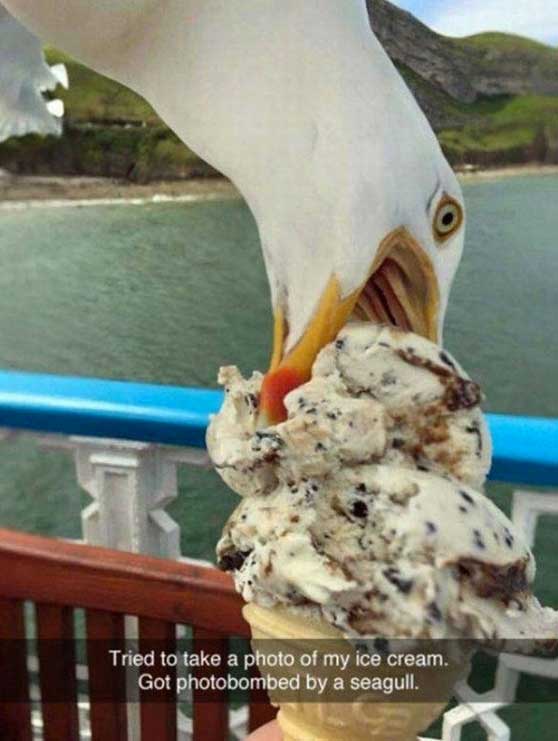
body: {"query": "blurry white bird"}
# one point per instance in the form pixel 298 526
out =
pixel 24 76
pixel 299 105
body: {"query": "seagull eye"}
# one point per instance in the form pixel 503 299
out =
pixel 448 218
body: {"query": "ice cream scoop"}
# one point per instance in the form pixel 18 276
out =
pixel 376 394
pixel 364 508
pixel 383 550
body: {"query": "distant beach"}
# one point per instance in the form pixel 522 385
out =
pixel 26 190
pixel 30 189
pixel 508 172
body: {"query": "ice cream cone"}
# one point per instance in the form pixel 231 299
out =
pixel 279 629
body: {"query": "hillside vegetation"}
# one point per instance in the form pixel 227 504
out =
pixel 507 128
pixel 111 131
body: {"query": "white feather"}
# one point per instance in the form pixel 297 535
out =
pixel 24 74
pixel 61 74
pixel 55 107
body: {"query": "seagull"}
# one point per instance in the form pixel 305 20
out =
pixel 24 77
pixel 359 213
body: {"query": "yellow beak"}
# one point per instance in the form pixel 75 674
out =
pixel 400 288
pixel 286 374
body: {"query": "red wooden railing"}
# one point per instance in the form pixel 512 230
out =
pixel 58 577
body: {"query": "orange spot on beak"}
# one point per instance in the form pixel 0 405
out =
pixel 276 385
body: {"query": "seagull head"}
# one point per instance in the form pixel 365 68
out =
pixel 369 226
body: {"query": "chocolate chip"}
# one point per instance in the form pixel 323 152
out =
pixel 359 508
pixel 463 509
pixel 339 344
pixel 398 443
pixel 360 487
pixel 467 497
pixel 478 540
pixel 252 401
pixel 496 582
pixel 434 611
pixel 474 429
pixel 445 358
pixel 462 394
pixel 389 379
pixel 402 584
pixel 275 439
pixel 233 560
pixel 320 446
pixel 430 527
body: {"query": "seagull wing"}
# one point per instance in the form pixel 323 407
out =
pixel 24 74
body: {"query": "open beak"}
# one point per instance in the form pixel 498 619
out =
pixel 400 289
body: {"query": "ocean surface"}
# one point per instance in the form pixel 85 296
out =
pixel 169 292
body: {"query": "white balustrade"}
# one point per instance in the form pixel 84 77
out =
pixel 130 484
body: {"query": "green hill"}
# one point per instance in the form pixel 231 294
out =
pixel 508 127
pixel 506 42
pixel 492 98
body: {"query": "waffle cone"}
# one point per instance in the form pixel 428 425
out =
pixel 278 628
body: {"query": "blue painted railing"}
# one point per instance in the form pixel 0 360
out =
pixel 525 448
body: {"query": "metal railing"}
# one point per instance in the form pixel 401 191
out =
pixel 525 448
pixel 128 439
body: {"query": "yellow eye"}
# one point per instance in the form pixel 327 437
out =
pixel 448 218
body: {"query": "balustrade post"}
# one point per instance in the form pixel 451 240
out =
pixel 130 484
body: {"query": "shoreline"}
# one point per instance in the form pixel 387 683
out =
pixel 27 191
pixel 510 171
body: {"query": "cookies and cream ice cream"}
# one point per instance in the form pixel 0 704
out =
pixel 364 508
